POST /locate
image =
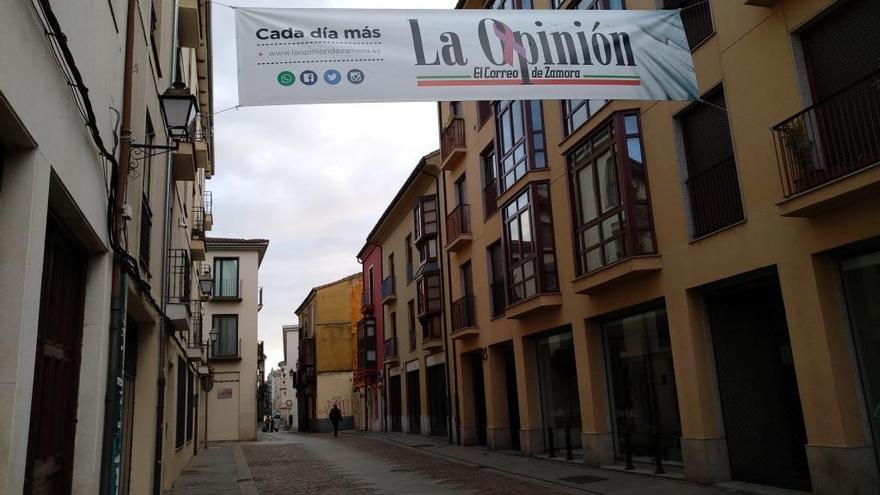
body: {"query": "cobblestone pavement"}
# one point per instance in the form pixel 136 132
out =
pixel 319 463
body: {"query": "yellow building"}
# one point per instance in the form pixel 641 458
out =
pixel 412 311
pixel 678 287
pixel 327 352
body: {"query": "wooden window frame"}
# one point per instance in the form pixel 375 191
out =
pixel 532 142
pixel 546 281
pixel 628 205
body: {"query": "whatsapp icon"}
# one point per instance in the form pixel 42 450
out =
pixel 286 78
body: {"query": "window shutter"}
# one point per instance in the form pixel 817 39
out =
pixel 706 133
pixel 843 48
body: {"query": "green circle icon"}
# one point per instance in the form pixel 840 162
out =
pixel 286 78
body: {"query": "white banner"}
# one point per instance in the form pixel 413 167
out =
pixel 288 56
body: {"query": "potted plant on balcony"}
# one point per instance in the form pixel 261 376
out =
pixel 801 151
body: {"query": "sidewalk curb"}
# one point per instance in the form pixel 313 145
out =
pixel 245 478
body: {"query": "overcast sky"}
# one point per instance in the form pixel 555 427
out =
pixel 312 179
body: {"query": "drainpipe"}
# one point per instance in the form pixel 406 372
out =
pixel 163 328
pixel 450 389
pixel 111 436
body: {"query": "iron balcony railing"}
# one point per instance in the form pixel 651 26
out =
pixel 458 222
pixel 366 301
pixel 208 202
pixel 452 137
pixel 228 350
pixel 389 287
pixel 830 139
pixel 389 350
pixel 198 224
pixel 696 16
pixel 715 198
pixel 464 313
pixel 201 128
pixel 179 277
pixel 193 338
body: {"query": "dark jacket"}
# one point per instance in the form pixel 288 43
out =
pixel 335 415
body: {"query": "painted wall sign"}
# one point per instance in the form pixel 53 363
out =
pixel 288 56
pixel 224 393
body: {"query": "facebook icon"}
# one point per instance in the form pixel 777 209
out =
pixel 308 77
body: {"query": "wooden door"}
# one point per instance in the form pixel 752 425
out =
pixel 49 467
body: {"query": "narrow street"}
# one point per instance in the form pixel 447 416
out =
pixel 358 463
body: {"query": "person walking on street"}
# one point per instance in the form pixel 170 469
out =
pixel 335 418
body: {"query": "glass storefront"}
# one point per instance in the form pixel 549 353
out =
pixel 642 387
pixel 861 283
pixel 560 403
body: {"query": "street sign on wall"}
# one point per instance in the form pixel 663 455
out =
pixel 289 56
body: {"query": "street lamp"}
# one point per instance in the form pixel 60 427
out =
pixel 213 334
pixel 206 284
pixel 178 108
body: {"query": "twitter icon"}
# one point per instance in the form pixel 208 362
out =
pixel 332 76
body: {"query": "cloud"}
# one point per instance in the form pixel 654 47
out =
pixel 313 179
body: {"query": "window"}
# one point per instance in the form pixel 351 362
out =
pixel 409 259
pixel 369 296
pixel 155 34
pixel 147 173
pixel 145 234
pixel 425 218
pixel 227 336
pixel 490 181
pixel 609 193
pixel 528 238
pixel 509 4
pixel 180 431
pixel 696 15
pixel 484 111
pixel 410 306
pixel 191 407
pixel 226 278
pixel 519 140
pixel 428 296
pixel 461 196
pixel 391 264
pixel 598 5
pixel 496 279
pixel 712 183
pixel 467 279
pixel 455 108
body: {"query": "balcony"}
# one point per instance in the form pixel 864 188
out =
pixel 696 16
pixel 367 302
pixel 458 228
pixel 183 162
pixel 200 133
pixel 432 335
pixel 715 198
pixel 616 273
pixel 189 25
pixel 227 290
pixel 452 143
pixel 366 346
pixel 208 202
pixel 192 340
pixel 197 237
pixel 389 289
pixel 828 153
pixel 179 290
pixel 464 317
pixel 533 306
pixel 260 299
pixel 229 351
pixel 390 351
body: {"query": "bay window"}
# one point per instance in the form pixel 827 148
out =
pixel 530 259
pixel 425 218
pixel 609 194
pixel 519 142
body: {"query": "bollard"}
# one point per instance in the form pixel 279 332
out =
pixel 550 436
pixel 658 461
pixel 568 456
pixel 626 445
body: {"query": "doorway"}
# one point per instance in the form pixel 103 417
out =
pixel 479 397
pixel 763 420
pixel 413 401
pixel 49 464
pixel 394 402
pixel 129 378
pixel 512 397
pixel 437 410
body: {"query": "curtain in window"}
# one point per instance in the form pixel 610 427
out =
pixel 227 335
pixel 226 278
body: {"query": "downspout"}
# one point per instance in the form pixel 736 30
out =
pixel 450 389
pixel 111 437
pixel 163 328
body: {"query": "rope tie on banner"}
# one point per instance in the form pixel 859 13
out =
pixel 222 4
